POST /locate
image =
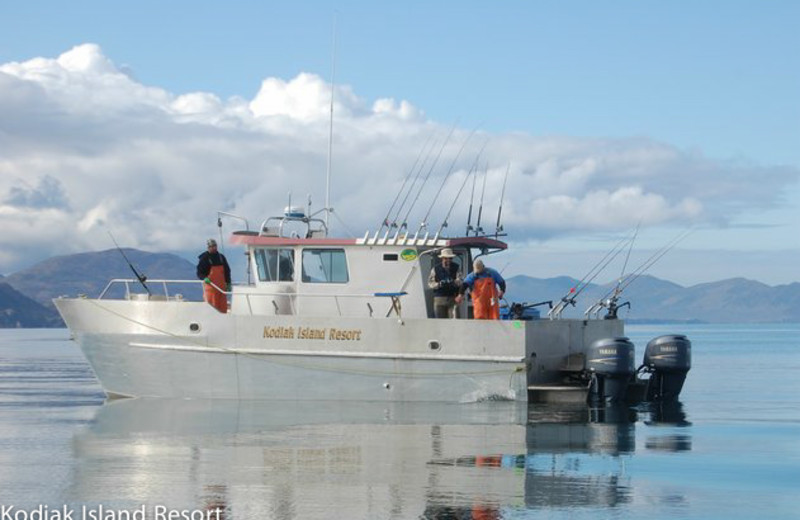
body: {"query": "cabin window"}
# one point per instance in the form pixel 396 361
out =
pixel 275 265
pixel 390 257
pixel 325 266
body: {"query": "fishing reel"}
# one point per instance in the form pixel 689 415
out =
pixel 613 308
pixel 519 311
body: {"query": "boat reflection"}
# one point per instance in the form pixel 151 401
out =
pixel 669 414
pixel 287 460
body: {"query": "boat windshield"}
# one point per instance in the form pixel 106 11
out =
pixel 275 265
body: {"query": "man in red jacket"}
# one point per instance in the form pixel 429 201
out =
pixel 487 287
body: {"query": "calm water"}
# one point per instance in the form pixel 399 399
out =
pixel 731 449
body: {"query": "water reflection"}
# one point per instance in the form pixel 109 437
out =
pixel 579 461
pixel 668 414
pixel 287 460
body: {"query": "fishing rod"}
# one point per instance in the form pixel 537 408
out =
pixel 471 172
pixel 655 258
pixel 611 303
pixel 428 175
pixel 598 267
pixel 478 229
pixel 610 299
pixel 405 181
pixel 471 200
pixel 142 278
pixel 413 184
pixel 447 176
pixel 627 258
pixel 577 289
pixel 498 228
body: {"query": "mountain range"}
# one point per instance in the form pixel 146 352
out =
pixel 85 273
pixel 26 296
pixel 735 300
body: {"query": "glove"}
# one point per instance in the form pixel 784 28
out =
pixel 207 280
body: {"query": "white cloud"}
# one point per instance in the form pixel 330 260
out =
pixel 305 98
pixel 85 148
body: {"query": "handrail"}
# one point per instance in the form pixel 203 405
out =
pixel 128 281
pixel 231 293
pixel 307 221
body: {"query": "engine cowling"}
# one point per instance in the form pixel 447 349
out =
pixel 610 364
pixel 668 358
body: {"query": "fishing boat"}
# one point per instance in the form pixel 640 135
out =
pixel 327 318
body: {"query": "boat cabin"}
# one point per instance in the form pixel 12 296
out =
pixel 297 270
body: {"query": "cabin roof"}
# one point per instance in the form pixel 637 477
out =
pixel 253 238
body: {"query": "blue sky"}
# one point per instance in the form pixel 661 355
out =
pixel 713 81
pixel 721 76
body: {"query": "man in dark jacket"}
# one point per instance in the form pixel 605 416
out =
pixel 213 269
pixel 445 280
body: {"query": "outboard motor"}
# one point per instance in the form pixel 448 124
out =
pixel 668 359
pixel 610 362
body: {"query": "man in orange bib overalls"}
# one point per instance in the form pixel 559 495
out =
pixel 487 288
pixel 212 268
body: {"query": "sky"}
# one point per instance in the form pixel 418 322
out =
pixel 144 119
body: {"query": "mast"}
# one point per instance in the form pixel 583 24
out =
pixel 328 208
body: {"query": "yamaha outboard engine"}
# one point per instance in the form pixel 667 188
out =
pixel 668 359
pixel 611 365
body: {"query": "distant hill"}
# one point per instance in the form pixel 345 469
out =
pixel 17 310
pixel 736 300
pixel 88 273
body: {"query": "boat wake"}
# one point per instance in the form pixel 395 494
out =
pixel 483 396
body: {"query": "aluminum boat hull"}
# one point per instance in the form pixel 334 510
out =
pixel 184 349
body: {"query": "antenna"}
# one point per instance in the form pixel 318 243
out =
pixel 330 130
pixel 498 228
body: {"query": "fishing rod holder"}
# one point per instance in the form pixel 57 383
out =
pixel 607 303
pixel 517 311
pixel 613 309
pixel 555 312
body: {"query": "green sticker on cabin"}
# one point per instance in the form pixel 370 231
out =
pixel 409 255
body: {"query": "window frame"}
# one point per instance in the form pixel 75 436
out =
pixel 306 279
pixel 264 268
